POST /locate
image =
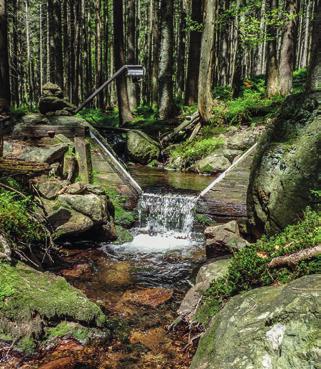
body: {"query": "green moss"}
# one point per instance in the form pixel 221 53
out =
pixel 25 292
pixel 196 149
pixel 27 345
pixel 123 217
pixel 67 329
pixel 123 235
pixel 249 267
pixel 203 219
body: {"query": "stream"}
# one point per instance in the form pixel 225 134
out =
pixel 140 285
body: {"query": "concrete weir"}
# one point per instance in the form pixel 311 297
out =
pixel 226 197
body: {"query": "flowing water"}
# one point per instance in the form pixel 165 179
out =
pixel 165 247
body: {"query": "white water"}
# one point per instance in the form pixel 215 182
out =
pixel 166 223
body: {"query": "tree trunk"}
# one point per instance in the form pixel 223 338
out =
pixel 287 56
pixel 191 93
pixel 205 99
pixel 4 59
pixel 166 96
pixel 180 65
pixel 314 77
pixel 131 52
pixel 272 72
pixel 125 115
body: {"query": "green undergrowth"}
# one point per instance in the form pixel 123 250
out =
pixel 17 219
pixel 249 267
pixel 197 149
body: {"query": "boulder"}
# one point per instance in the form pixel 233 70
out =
pixel 34 118
pixel 206 275
pixel 76 225
pixel 141 148
pixel 287 166
pixel 223 239
pixel 50 188
pixel 266 328
pixel 52 104
pixel 212 164
pixel 51 89
pixel 244 139
pixel 75 209
pixel 43 154
pixel 91 205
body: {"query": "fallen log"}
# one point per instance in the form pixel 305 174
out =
pixel 294 259
pixel 184 130
pixel 22 167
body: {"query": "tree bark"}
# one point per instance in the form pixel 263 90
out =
pixel 205 99
pixel 4 59
pixel 288 44
pixel 194 54
pixel 272 72
pixel 131 53
pixel 125 115
pixel 314 77
pixel 166 96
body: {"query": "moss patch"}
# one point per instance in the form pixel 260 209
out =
pixel 123 235
pixel 30 299
pixel 123 217
pixel 249 267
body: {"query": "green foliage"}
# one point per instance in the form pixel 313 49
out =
pixel 15 218
pixel 249 267
pixel 203 219
pixel 99 117
pixel 20 111
pixel 122 217
pixel 197 149
pixel 193 26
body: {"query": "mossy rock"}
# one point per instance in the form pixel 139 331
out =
pixel 123 236
pixel 287 166
pixel 270 327
pixel 142 148
pixel 31 300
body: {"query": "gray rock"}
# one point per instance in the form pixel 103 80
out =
pixel 266 328
pixel 223 239
pixel 34 118
pixel 142 148
pixel 212 164
pixel 91 205
pixel 287 166
pixel 50 104
pixel 213 271
pixel 47 154
pixel 206 275
pixel 76 224
pixel 244 139
pixel 50 188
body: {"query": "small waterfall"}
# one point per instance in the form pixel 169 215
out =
pixel 167 213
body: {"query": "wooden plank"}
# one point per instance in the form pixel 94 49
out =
pixel 22 167
pixel 44 130
pixel 83 155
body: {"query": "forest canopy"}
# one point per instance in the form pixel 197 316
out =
pixel 188 47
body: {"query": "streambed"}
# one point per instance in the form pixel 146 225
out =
pixel 139 285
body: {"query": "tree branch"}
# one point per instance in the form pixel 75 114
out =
pixel 294 259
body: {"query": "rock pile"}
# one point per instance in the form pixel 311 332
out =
pixel 52 101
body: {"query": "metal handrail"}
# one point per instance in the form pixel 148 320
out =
pixel 123 69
